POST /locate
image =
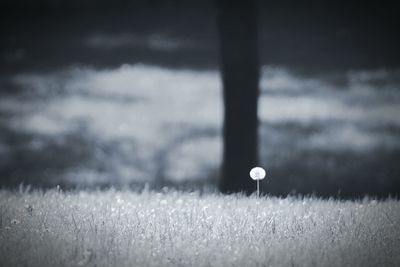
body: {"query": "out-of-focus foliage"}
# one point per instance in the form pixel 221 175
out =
pixel 141 123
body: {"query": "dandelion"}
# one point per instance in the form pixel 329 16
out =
pixel 257 173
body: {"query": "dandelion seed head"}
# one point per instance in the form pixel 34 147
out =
pixel 257 173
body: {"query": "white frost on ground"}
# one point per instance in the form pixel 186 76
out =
pixel 115 228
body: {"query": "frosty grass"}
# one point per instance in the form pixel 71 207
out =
pixel 123 228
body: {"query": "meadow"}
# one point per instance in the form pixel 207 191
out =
pixel 173 228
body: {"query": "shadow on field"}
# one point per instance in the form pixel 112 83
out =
pixel 344 174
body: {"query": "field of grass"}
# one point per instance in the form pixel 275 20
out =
pixel 123 228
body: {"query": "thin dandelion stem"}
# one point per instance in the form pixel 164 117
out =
pixel 258 188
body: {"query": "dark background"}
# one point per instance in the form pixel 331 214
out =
pixel 332 42
pixel 306 35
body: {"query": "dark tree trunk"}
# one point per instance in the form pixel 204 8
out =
pixel 237 23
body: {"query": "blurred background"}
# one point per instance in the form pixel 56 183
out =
pixel 123 93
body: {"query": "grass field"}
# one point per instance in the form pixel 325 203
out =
pixel 123 228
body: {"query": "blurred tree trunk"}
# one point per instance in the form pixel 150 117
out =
pixel 237 23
